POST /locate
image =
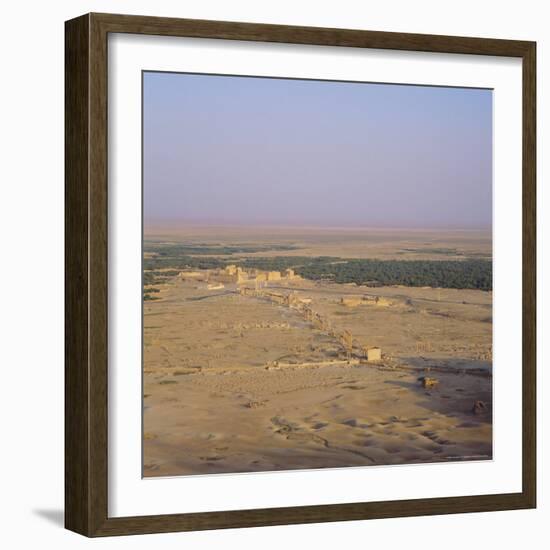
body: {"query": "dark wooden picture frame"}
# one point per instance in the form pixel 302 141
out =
pixel 86 285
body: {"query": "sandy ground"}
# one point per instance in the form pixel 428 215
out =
pixel 419 244
pixel 235 383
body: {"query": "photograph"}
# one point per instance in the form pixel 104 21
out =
pixel 317 274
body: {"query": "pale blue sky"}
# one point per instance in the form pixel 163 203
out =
pixel 240 150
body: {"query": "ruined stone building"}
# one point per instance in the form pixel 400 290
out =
pixel 374 354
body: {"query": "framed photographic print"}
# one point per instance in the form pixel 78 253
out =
pixel 300 274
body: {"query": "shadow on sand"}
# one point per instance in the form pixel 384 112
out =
pixel 451 363
pixel 453 397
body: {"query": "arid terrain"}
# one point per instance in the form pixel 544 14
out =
pixel 413 244
pixel 262 368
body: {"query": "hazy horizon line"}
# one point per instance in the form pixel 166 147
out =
pixel 154 225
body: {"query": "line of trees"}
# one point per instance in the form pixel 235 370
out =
pixel 469 273
pixel 475 274
pixel 176 249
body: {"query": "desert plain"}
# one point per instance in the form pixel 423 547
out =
pixel 258 374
